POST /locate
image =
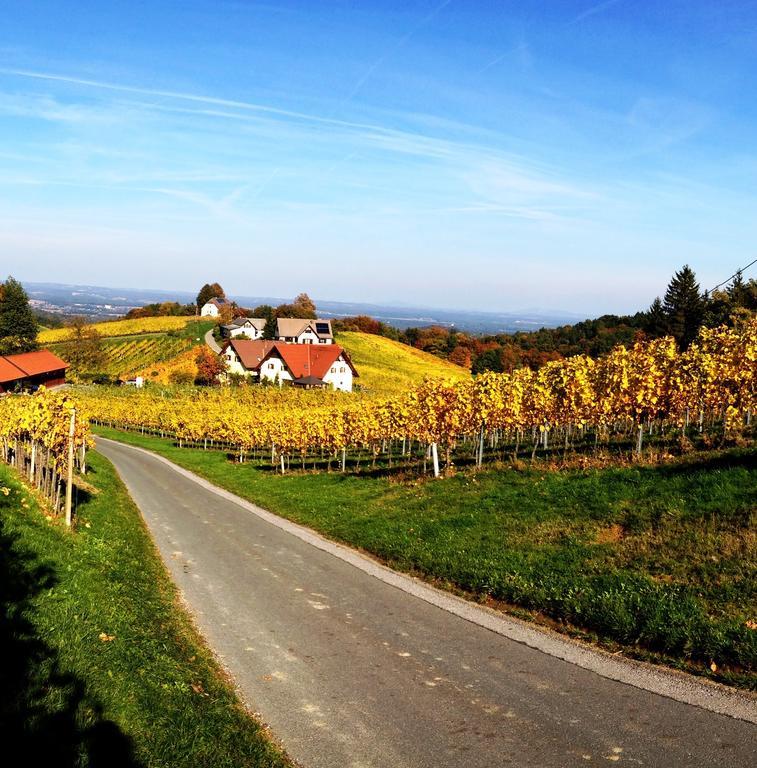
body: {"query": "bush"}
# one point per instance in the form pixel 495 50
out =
pixel 99 377
pixel 181 377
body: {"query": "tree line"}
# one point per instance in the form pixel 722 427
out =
pixel 302 306
pixel 683 310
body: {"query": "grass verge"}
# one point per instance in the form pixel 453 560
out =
pixel 101 666
pixel 658 560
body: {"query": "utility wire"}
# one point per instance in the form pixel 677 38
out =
pixel 728 280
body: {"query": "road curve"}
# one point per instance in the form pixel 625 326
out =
pixel 212 343
pixel 349 670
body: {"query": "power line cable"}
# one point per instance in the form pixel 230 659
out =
pixel 728 280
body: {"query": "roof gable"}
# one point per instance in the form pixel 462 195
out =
pixel 304 360
pixel 290 326
pixel 251 353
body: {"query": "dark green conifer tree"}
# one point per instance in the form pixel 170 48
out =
pixel 737 290
pixel 18 326
pixel 656 321
pixel 684 307
pixel 268 313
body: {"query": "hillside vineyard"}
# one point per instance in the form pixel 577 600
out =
pixel 650 389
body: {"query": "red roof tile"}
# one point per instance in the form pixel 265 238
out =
pixel 35 363
pixel 252 353
pixel 9 372
pixel 311 359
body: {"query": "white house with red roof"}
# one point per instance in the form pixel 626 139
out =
pixel 304 365
pixel 213 307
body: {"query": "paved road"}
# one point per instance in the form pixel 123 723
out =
pixel 350 671
pixel 211 342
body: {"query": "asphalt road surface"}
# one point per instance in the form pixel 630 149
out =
pixel 212 343
pixel 348 670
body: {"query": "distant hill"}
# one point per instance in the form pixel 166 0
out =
pixel 108 303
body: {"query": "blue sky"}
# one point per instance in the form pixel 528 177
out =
pixel 475 154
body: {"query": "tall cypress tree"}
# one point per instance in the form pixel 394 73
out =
pixel 18 326
pixel 684 306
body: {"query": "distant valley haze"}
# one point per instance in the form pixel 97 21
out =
pixel 106 303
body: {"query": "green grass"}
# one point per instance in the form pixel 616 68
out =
pixel 659 559
pixel 388 367
pixel 100 666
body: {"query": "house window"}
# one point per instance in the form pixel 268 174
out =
pixel 333 370
pixel 271 365
pixel 341 370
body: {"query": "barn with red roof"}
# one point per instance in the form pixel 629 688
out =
pixel 29 370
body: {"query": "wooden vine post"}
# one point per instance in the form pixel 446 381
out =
pixel 70 478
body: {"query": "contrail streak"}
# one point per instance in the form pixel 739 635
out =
pixel 196 98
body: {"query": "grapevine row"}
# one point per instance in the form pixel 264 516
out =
pixel 34 438
pixel 649 388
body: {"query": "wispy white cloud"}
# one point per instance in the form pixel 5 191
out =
pixel 521 48
pixel 52 110
pixel 203 161
pixel 594 10
pixel 662 122
pixel 191 97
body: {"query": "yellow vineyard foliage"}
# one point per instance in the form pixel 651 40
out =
pixel 650 384
pixel 121 328
pixel 43 419
pixel 165 372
